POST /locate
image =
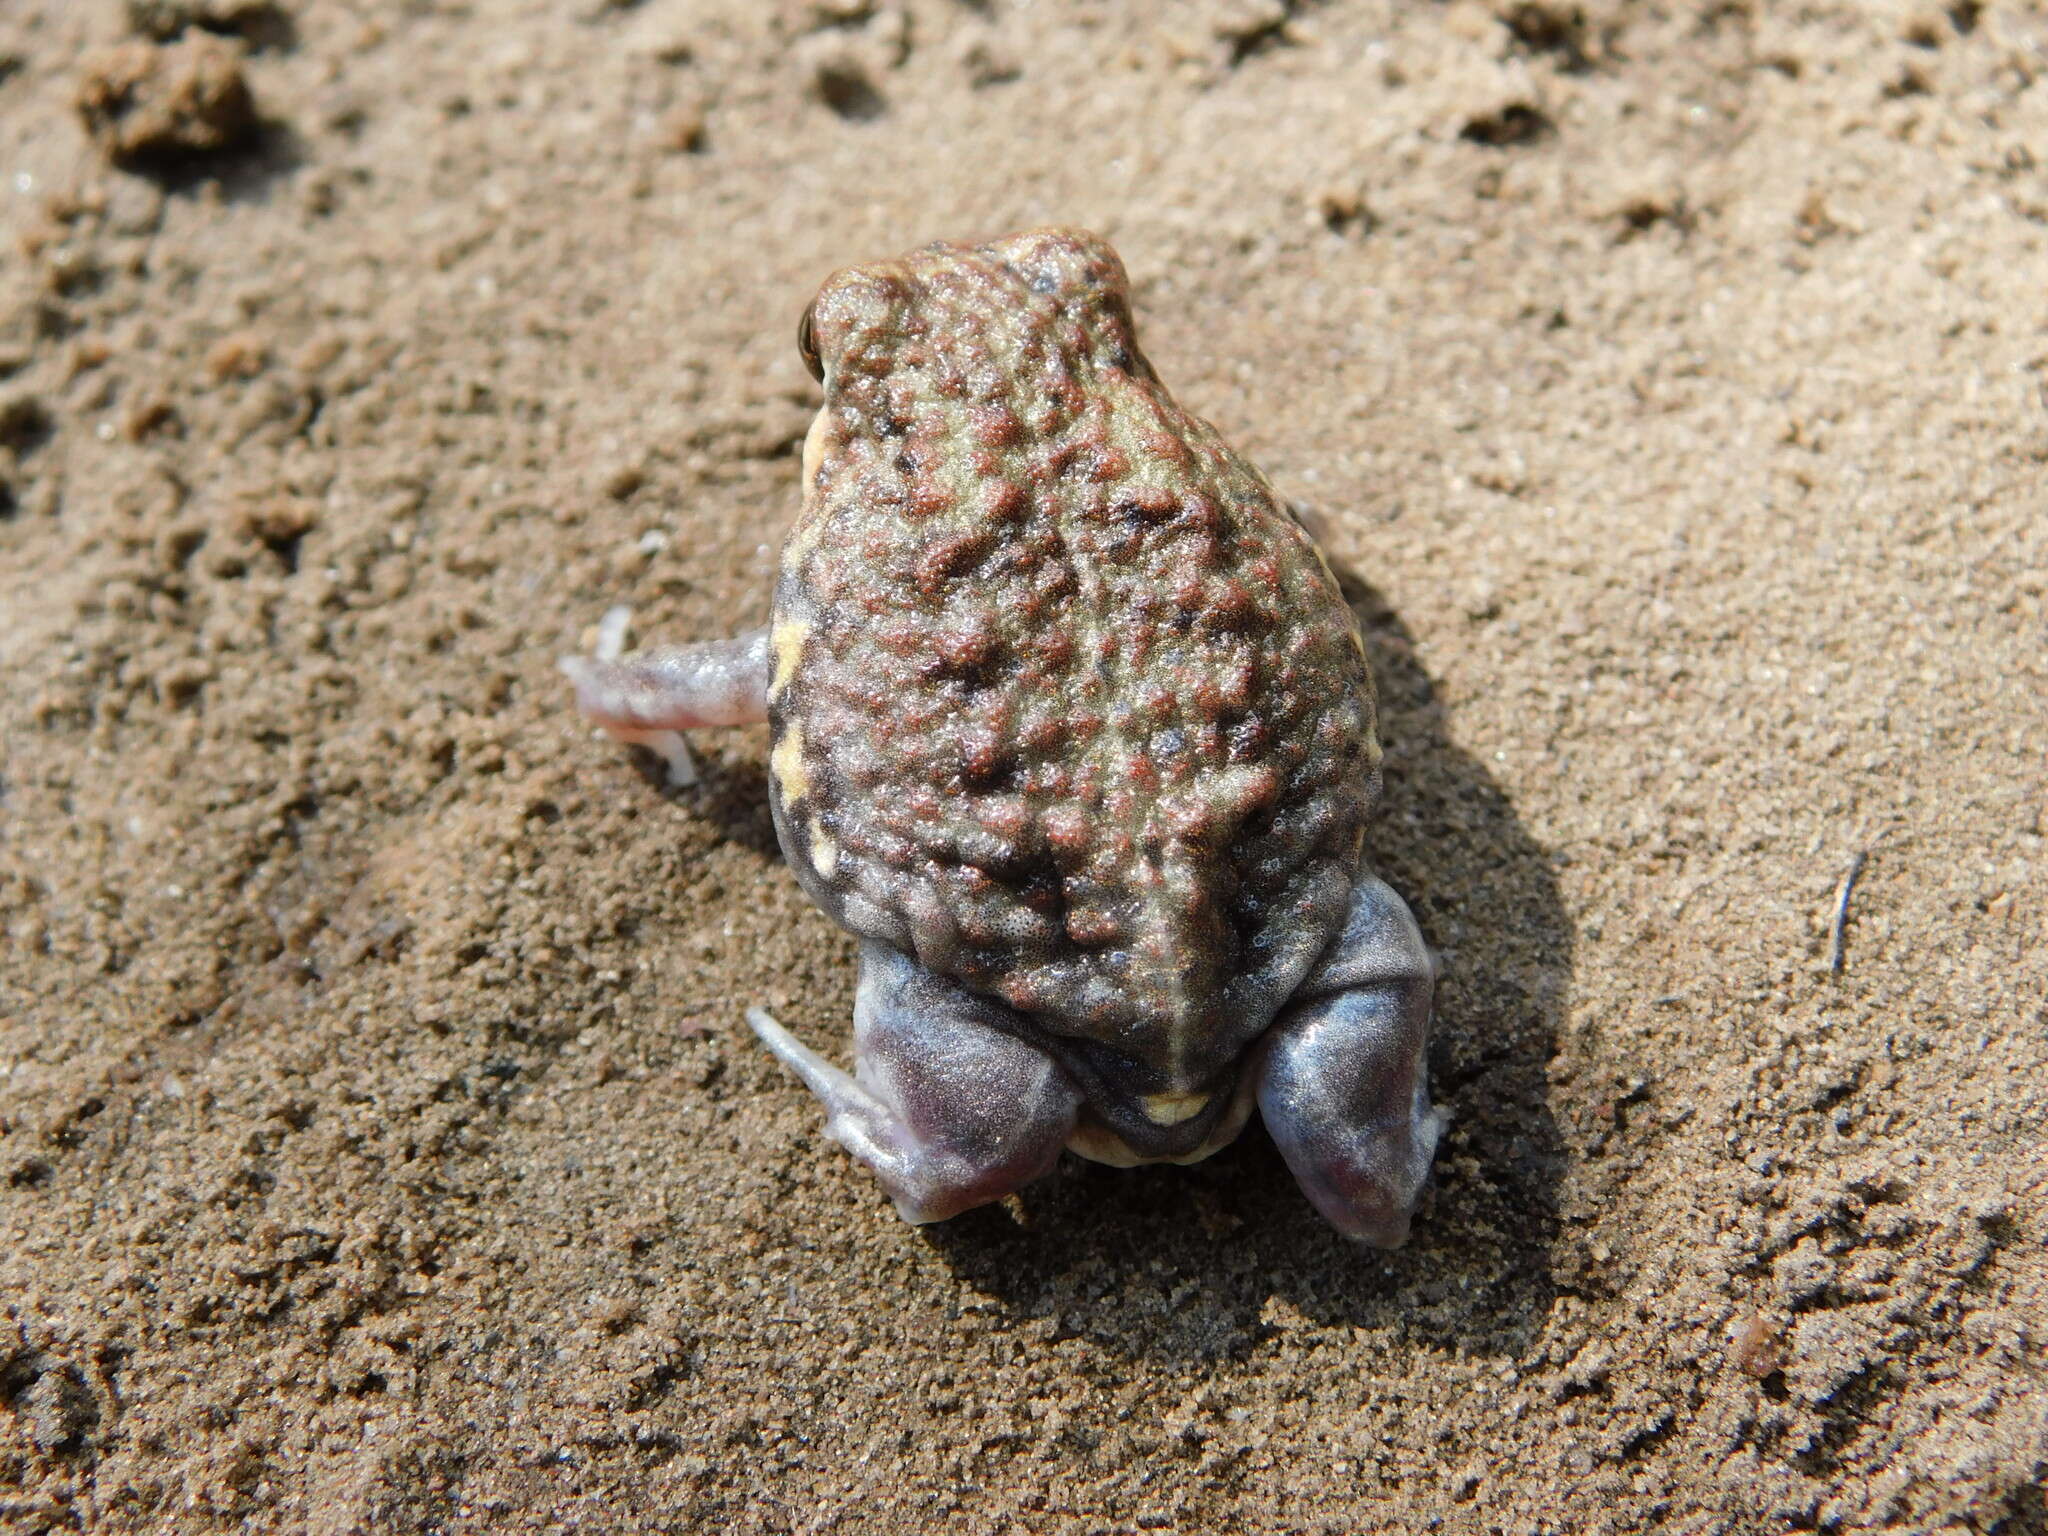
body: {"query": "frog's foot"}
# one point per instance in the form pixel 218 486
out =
pixel 948 1108
pixel 1343 1085
pixel 650 696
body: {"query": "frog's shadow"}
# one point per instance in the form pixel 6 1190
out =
pixel 1201 1262
pixel 731 792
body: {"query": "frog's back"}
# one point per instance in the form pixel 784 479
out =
pixel 1066 704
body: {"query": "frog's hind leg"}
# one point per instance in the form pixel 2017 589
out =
pixel 948 1107
pixel 1343 1086
pixel 650 696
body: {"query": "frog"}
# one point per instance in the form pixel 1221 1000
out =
pixel 1072 729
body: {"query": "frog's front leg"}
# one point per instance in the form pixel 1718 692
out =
pixel 948 1107
pixel 1343 1086
pixel 651 695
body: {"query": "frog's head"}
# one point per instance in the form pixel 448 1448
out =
pixel 961 320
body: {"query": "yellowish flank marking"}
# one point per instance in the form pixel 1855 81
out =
pixel 786 765
pixel 803 538
pixel 824 851
pixel 1172 1108
pixel 788 640
pixel 814 449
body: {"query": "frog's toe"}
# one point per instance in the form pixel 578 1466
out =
pixel 1342 1084
pixel 949 1109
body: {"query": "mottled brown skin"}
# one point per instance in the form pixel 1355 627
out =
pixel 1067 704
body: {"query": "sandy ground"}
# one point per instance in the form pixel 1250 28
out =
pixel 381 1148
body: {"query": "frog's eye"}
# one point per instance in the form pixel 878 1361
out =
pixel 808 346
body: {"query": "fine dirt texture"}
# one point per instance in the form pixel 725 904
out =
pixel 381 1148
